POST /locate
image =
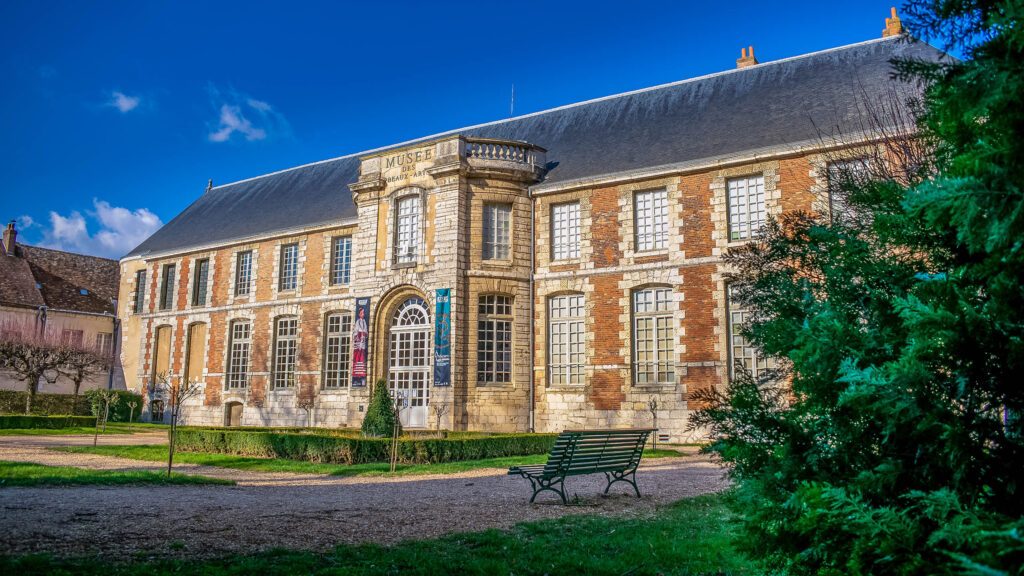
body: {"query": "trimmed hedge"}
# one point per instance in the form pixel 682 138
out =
pixel 342 450
pixel 13 402
pixel 22 421
pixel 118 410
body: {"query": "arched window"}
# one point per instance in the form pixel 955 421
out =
pixel 566 340
pixel 161 352
pixel 286 344
pixel 196 343
pixel 407 229
pixel 494 339
pixel 653 332
pixel 337 348
pixel 238 355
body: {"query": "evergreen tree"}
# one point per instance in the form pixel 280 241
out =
pixel 896 444
pixel 381 420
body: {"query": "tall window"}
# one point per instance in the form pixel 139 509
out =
pixel 567 352
pixel 746 207
pixel 565 231
pixel 196 346
pixel 652 336
pixel 651 210
pixel 71 338
pixel 494 339
pixel 105 344
pixel 285 347
pixel 140 291
pixel 497 231
pixel 243 273
pixel 843 174
pixel 288 272
pixel 740 350
pixel 407 235
pixel 167 288
pixel 341 260
pixel 337 346
pixel 199 277
pixel 161 353
pixel 238 355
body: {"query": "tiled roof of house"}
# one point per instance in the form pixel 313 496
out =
pixel 759 107
pixel 33 277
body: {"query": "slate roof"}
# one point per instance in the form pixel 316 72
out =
pixel 773 104
pixel 35 277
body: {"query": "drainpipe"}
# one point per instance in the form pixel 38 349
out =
pixel 115 323
pixel 533 328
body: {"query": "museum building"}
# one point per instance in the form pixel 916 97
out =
pixel 561 269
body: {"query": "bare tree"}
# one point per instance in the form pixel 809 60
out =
pixel 106 399
pixel 177 391
pixel 652 407
pixel 83 363
pixel 132 404
pixel 306 400
pixel 30 355
pixel 439 408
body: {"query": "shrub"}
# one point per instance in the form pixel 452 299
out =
pixel 13 402
pixel 119 409
pixel 22 421
pixel 381 420
pixel 349 450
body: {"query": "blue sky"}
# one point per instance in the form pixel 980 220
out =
pixel 113 116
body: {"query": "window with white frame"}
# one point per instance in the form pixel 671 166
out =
pixel 653 336
pixel 71 338
pixel 243 273
pixel 651 214
pixel 288 271
pixel 337 346
pixel 566 335
pixel 565 231
pixel 407 230
pixel 341 260
pixel 286 331
pixel 199 279
pixel 747 210
pixel 497 231
pixel 238 354
pixel 105 344
pixel 167 288
pixel 140 291
pixel 842 175
pixel 494 339
pixel 740 349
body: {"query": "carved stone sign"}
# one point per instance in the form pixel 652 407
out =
pixel 407 166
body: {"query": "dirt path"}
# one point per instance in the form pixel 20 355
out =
pixel 269 510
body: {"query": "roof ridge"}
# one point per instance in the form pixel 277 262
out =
pixel 567 106
pixel 35 247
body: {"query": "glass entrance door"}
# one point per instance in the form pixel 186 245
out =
pixel 409 361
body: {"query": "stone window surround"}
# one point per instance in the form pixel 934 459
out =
pixel 190 320
pixel 588 339
pixel 720 203
pixel 275 291
pixel 627 220
pixel 633 282
pixel 474 358
pixel 393 199
pixel 276 312
pixel 159 279
pixel 477 201
pixel 543 227
pixel 193 260
pixel 328 242
pixel 237 393
pixel 233 271
pixel 135 288
pixel 150 360
pixel 326 311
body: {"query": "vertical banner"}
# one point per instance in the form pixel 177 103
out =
pixel 443 338
pixel 360 341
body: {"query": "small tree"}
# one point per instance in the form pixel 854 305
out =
pixel 440 408
pixel 381 420
pixel 132 404
pixel 83 363
pixel 102 401
pixel 30 355
pixel 652 407
pixel 306 401
pixel 177 392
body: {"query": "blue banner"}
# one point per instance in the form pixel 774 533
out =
pixel 360 341
pixel 443 338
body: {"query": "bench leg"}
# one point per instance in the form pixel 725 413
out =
pixel 627 477
pixel 541 485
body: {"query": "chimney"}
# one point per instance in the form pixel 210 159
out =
pixel 746 59
pixel 893 26
pixel 10 238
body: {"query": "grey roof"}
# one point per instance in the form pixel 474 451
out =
pixel 769 105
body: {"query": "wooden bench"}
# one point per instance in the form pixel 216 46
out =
pixel 616 453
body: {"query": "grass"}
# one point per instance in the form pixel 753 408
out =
pixel 112 428
pixel 691 537
pixel 154 453
pixel 27 474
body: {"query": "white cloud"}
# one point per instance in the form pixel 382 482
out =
pixel 120 230
pixel 250 118
pixel 25 222
pixel 123 102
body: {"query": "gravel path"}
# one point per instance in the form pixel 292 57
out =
pixel 301 511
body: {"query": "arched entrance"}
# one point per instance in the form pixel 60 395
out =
pixel 409 360
pixel 233 414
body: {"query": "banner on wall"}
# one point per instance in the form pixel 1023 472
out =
pixel 360 341
pixel 443 338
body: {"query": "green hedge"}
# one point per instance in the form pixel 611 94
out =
pixel 342 450
pixel 13 402
pixel 118 410
pixel 22 421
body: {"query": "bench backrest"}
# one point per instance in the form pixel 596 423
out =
pixel 585 451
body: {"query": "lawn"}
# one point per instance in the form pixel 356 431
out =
pixel 159 454
pixel 112 428
pixel 27 474
pixel 690 537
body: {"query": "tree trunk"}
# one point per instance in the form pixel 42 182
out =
pixel 170 445
pixel 74 397
pixel 31 384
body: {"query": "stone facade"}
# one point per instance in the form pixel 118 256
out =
pixel 450 180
